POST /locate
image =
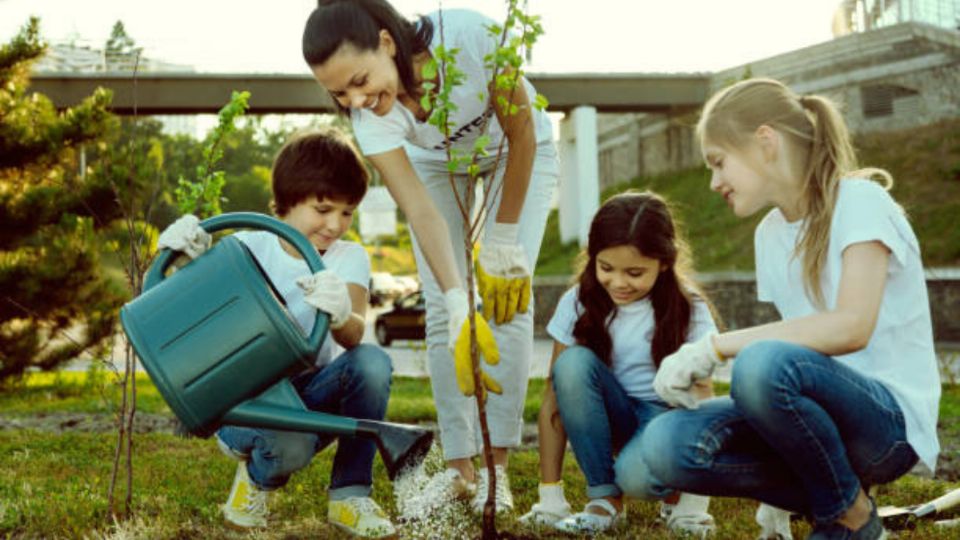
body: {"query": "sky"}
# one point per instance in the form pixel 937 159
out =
pixel 665 36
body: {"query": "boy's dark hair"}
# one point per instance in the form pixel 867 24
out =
pixel 644 221
pixel 324 164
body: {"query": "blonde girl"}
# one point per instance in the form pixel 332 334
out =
pixel 841 394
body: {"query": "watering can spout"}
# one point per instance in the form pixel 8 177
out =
pixel 401 447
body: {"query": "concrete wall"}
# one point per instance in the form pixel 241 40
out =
pixel 735 297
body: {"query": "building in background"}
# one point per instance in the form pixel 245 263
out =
pixel 863 15
pixel 894 64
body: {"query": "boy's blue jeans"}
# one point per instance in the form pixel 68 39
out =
pixel 356 385
pixel 598 415
pixel 800 431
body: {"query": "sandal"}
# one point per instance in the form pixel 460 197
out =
pixel 589 522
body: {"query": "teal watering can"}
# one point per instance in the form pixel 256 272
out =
pixel 218 343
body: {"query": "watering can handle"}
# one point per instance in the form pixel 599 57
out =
pixel 251 220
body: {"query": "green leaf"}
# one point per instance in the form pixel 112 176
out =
pixel 540 102
pixel 429 70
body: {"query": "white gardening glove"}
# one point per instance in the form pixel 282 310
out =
pixel 327 292
pixel 457 311
pixel 185 235
pixel 503 274
pixel 678 371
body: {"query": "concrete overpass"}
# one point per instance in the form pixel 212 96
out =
pixel 201 93
pixel 579 95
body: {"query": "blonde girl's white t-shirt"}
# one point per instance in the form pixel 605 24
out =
pixel 900 353
pixel 631 332
pixel 348 260
pixel 465 30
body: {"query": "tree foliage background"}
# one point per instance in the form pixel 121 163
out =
pixel 55 304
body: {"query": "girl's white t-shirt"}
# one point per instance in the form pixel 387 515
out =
pixel 900 353
pixel 465 30
pixel 348 260
pixel 631 332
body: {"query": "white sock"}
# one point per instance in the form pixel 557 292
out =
pixel 691 505
pixel 773 521
pixel 551 495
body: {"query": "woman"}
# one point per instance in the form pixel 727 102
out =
pixel 371 61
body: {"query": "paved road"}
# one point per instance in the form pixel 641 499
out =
pixel 409 357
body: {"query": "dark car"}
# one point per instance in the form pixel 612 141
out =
pixel 407 320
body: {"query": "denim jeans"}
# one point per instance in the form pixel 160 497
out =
pixel 598 415
pixel 356 385
pixel 800 431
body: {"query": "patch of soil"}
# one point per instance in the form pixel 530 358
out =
pixel 97 423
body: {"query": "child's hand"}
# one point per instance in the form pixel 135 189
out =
pixel 185 235
pixel 678 372
pixel 503 274
pixel 327 292
pixel 459 328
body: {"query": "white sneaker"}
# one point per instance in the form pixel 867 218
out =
pixel 689 516
pixel 774 523
pixel 360 516
pixel 246 507
pixel 503 498
pixel 587 522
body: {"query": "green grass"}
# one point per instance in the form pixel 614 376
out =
pixel 54 485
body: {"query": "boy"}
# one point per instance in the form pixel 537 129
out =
pixel 318 180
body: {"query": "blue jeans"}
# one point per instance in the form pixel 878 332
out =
pixel 800 431
pixel 598 415
pixel 356 385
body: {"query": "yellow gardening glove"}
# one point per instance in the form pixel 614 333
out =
pixel 459 328
pixel 503 274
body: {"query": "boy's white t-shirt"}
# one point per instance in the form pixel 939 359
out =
pixel 900 353
pixel 348 260
pixel 466 30
pixel 631 332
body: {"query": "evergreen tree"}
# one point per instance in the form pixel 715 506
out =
pixel 54 302
pixel 120 52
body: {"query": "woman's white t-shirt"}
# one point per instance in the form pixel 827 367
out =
pixel 348 260
pixel 900 353
pixel 465 30
pixel 631 332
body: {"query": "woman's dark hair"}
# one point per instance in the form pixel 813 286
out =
pixel 323 164
pixel 358 22
pixel 641 220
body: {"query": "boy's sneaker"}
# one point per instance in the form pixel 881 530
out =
pixel 503 498
pixel 774 523
pixel 246 507
pixel 587 522
pixel 871 530
pixel 360 516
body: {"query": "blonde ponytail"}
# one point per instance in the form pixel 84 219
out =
pixel 820 136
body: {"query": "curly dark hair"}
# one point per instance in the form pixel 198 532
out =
pixel 642 220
